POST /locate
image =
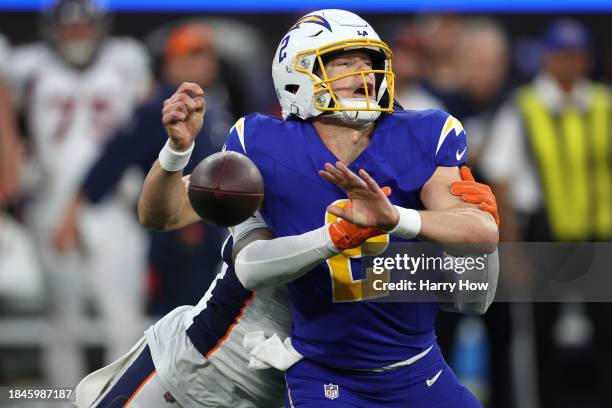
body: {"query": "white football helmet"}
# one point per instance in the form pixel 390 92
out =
pixel 300 56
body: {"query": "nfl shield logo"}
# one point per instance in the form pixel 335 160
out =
pixel 331 391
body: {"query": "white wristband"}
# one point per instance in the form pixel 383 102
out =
pixel 171 160
pixel 409 224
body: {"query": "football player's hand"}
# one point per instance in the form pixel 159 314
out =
pixel 345 235
pixel 473 192
pixel 183 115
pixel 370 206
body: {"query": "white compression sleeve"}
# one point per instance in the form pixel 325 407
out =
pixel 278 261
pixel 243 229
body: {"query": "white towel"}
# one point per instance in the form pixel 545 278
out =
pixel 271 352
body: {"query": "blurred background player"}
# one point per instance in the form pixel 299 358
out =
pixel 410 69
pixel 549 160
pixel 242 87
pixel 481 59
pixel 440 34
pixel 76 90
pixel 182 263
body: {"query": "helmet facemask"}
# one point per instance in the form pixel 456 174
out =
pixel 355 112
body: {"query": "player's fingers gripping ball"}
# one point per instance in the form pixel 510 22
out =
pixel 473 192
pixel 346 235
pixel 226 188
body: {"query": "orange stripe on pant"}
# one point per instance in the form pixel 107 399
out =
pixel 139 388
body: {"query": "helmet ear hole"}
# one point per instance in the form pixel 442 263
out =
pixel 292 88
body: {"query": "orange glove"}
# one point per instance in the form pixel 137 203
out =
pixel 473 192
pixel 345 235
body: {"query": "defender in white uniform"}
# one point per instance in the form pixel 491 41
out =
pixel 194 356
pixel 76 91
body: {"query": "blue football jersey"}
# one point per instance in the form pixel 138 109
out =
pixel 331 323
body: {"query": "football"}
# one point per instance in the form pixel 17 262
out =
pixel 226 188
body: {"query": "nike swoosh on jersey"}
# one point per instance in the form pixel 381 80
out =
pixel 431 381
pixel 458 155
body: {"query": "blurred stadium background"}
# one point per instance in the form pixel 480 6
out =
pixel 466 57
